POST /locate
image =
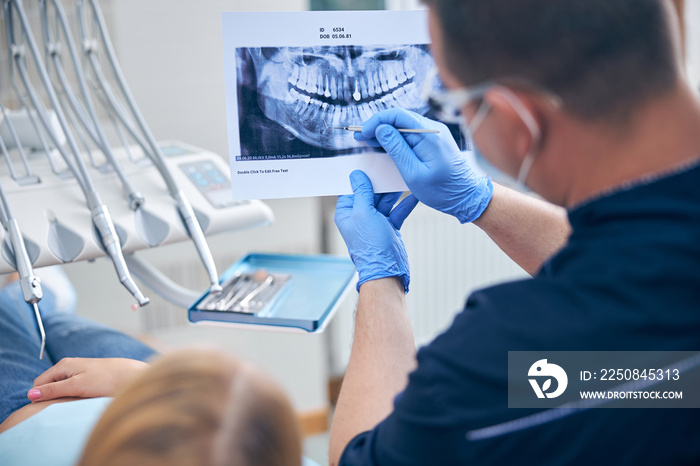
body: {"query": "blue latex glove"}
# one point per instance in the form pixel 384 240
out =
pixel 370 229
pixel 432 165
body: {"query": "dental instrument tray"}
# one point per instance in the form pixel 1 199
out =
pixel 300 292
pixel 248 293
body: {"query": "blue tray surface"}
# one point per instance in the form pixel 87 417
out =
pixel 316 284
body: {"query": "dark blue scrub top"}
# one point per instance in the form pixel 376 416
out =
pixel 628 280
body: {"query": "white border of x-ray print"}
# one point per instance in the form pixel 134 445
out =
pixel 322 176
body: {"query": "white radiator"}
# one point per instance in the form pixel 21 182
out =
pixel 448 261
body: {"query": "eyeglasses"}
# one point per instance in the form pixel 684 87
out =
pixel 447 104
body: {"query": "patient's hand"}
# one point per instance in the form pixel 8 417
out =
pixel 85 378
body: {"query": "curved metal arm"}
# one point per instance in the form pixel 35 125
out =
pixel 160 283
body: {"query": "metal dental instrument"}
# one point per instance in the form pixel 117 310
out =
pixel 358 128
pixel 100 215
pixel 247 293
pixel 245 302
pixel 30 283
pixel 192 226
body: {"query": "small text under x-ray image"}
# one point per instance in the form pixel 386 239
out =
pixel 289 96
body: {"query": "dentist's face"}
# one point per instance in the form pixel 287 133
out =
pixel 301 88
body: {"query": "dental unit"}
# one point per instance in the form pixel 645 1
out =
pixel 46 177
pixel 100 214
pixel 153 229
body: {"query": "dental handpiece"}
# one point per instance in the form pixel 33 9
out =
pixel 100 215
pixel 195 232
pixel 194 229
pixel 29 283
pixel 110 241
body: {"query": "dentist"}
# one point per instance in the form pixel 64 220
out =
pixel 586 103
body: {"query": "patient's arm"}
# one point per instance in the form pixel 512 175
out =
pixel 84 378
pixel 75 378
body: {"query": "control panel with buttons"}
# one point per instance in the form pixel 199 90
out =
pixel 211 182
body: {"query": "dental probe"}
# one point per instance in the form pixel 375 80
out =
pixel 100 214
pixel 357 129
pixel 30 283
pixel 187 214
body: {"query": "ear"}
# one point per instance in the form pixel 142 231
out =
pixel 517 113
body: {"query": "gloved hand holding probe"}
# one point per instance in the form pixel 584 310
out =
pixel 370 229
pixel 431 164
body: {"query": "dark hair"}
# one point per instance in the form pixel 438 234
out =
pixel 602 57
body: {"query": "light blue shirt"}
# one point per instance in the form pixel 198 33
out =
pixel 55 435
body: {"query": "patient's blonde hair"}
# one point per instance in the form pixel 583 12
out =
pixel 197 407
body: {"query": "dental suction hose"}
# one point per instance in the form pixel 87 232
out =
pixel 110 242
pixel 195 232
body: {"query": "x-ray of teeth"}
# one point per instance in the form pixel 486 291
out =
pixel 288 96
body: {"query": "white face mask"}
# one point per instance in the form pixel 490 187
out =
pixel 482 112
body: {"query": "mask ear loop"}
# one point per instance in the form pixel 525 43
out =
pixel 469 129
pixel 481 114
pixel 534 129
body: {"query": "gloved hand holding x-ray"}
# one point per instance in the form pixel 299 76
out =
pixel 432 165
pixel 370 224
